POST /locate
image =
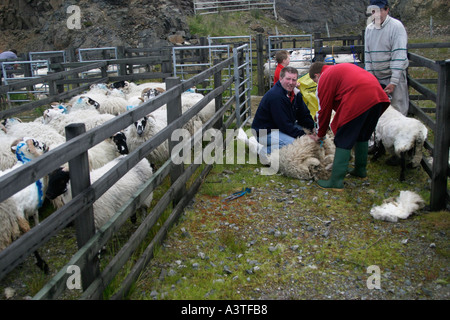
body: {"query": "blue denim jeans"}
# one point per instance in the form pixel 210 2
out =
pixel 276 139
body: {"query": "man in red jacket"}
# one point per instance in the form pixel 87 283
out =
pixel 358 101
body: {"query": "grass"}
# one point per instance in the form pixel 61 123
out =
pixel 243 249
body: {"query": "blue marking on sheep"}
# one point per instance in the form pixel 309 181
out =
pixel 130 107
pixel 64 109
pixel 40 192
pixel 20 154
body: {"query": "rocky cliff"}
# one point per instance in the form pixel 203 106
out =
pixel 37 25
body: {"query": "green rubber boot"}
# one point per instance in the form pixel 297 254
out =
pixel 340 165
pixel 361 151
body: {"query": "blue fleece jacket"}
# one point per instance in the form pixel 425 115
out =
pixel 276 111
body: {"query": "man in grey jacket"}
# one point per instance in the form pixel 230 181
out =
pixel 386 53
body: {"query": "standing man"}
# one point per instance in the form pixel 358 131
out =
pixel 358 101
pixel 385 53
pixel 282 108
pixel 9 54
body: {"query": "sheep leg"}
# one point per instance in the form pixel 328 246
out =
pixel 133 218
pixel 403 165
pixel 379 151
pixel 41 263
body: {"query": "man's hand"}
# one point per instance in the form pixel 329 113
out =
pixel 389 88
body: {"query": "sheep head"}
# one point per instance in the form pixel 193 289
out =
pixel 57 183
pixel 27 149
pixel 140 125
pixel 121 142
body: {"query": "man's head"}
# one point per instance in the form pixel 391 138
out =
pixel 315 70
pixel 383 6
pixel 288 78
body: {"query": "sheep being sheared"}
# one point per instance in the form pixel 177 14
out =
pixel 303 159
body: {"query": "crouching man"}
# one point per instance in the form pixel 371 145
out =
pixel 282 114
pixel 358 101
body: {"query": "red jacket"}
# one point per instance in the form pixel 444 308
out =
pixel 276 75
pixel 350 91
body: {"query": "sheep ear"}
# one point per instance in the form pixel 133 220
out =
pixel 141 99
pixel 14 145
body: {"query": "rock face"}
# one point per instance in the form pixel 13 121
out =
pixel 38 25
pixel 344 17
pixel 35 25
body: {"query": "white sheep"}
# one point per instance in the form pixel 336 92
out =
pixel 58 120
pixel 131 89
pixel 7 157
pixel 39 131
pixel 30 199
pixel 141 131
pixel 401 207
pixel 82 102
pixel 401 136
pixel 189 99
pixel 304 159
pixel 113 199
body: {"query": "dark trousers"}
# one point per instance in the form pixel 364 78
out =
pixel 359 129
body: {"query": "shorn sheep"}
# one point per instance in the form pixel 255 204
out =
pixel 401 207
pixel 113 199
pixel 401 136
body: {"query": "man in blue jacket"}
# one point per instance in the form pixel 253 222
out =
pixel 282 108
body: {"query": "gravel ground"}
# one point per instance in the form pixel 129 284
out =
pixel 292 240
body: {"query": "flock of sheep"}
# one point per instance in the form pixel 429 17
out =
pixel 21 142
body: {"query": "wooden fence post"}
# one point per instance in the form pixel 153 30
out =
pixel 173 113
pixel 260 62
pixel 218 99
pixel 84 223
pixel 441 139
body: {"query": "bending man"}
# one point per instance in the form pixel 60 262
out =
pixel 358 101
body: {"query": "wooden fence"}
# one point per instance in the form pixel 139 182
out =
pixel 439 170
pixel 75 149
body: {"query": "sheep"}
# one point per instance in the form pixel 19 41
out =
pixel 91 118
pixel 31 198
pixel 7 158
pixel 304 159
pixel 401 136
pixel 189 99
pixel 131 89
pixel 14 211
pixel 401 207
pixel 101 153
pixel 82 102
pixel 113 199
pixel 39 131
pixel 141 131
